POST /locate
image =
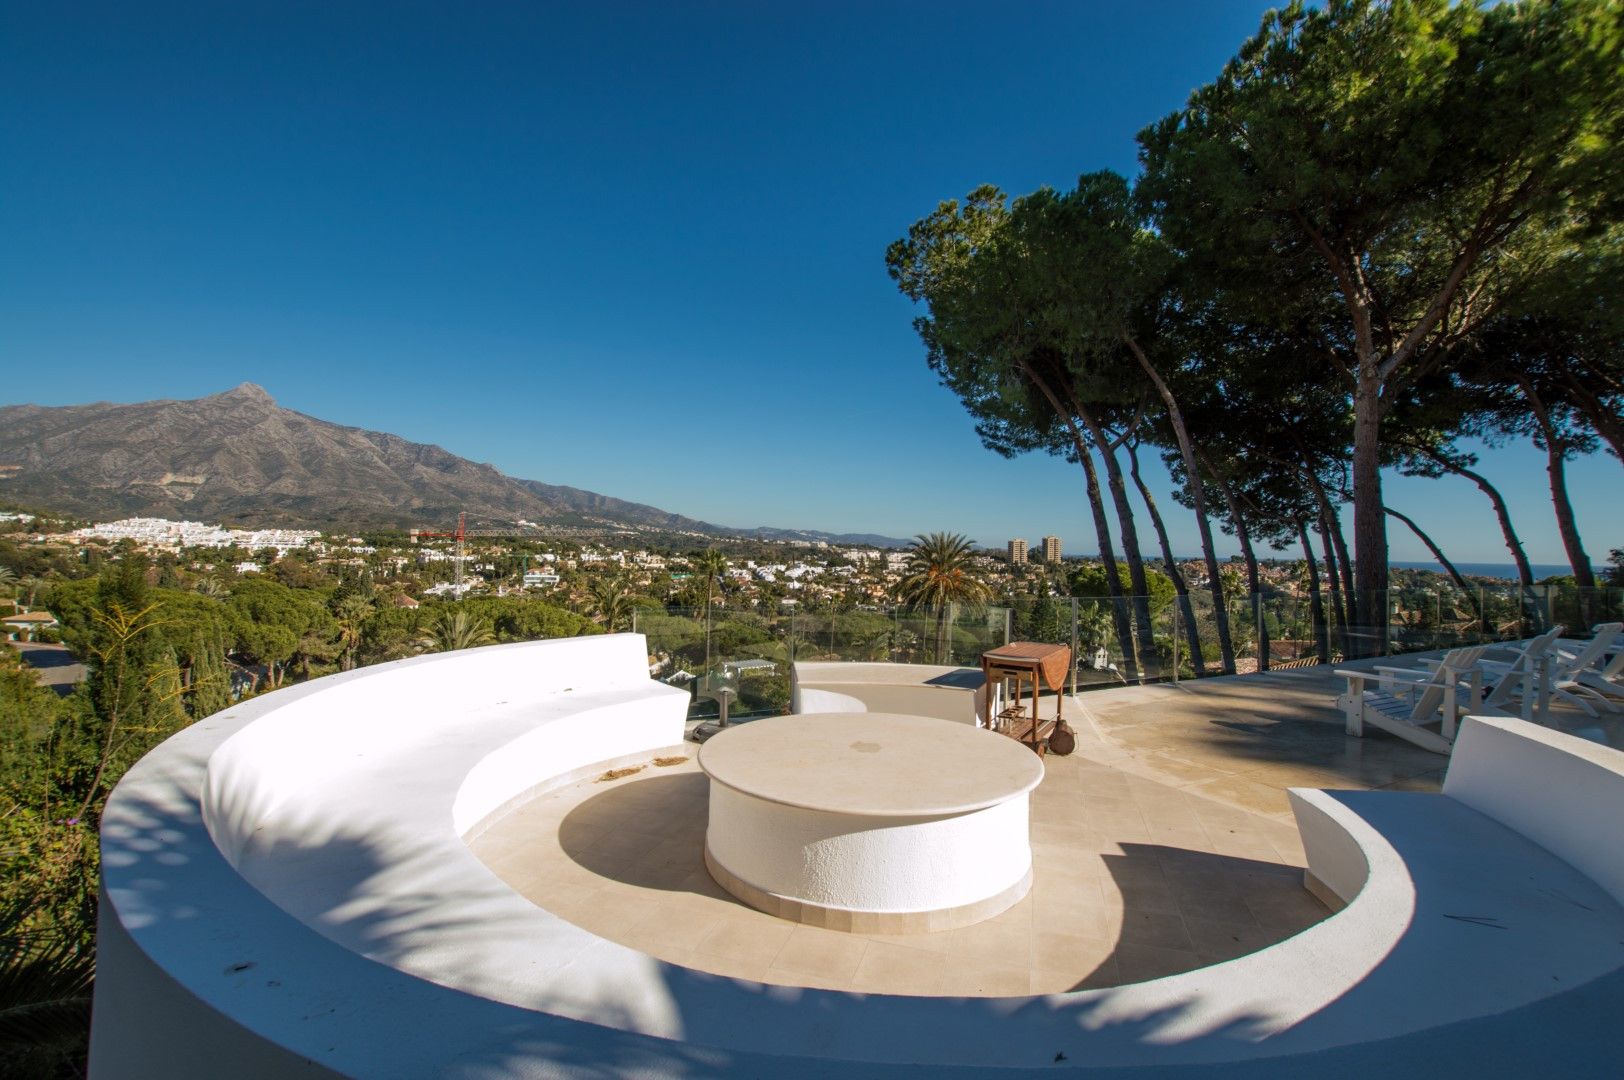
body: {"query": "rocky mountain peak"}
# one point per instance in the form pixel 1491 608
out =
pixel 246 393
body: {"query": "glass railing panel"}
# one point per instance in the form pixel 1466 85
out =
pixel 1115 641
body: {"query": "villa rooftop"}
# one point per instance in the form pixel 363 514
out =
pixel 507 847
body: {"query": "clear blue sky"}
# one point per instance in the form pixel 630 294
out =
pixel 636 248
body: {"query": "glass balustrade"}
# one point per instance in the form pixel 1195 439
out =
pixel 1115 641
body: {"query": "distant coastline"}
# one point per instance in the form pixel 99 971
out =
pixel 1504 571
pixel 1508 571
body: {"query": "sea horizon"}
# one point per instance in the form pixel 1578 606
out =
pixel 1507 571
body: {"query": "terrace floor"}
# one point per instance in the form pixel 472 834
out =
pixel 1244 739
pixel 1165 843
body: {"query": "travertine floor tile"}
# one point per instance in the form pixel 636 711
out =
pixel 1224 940
pixel 676 929
pixel 1286 911
pixel 1153 928
pixel 752 937
pixel 898 969
pixel 823 954
pixel 1139 963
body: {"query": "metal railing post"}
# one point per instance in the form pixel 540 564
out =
pixel 1257 631
pixel 1074 658
pixel 1177 629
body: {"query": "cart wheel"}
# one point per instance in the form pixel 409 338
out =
pixel 1062 740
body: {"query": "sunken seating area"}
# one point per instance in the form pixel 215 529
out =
pixel 290 889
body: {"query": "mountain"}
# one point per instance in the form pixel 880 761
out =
pixel 240 458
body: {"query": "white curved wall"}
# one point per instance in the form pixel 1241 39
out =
pixel 319 731
pixel 1564 793
pixel 938 690
pixel 811 700
pixel 1337 857
pixel 870 863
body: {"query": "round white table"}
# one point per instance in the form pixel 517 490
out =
pixel 870 822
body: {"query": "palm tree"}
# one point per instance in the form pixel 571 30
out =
pixel 941 573
pixel 8 579
pixel 213 588
pixel 46 981
pixel 1094 624
pixel 457 629
pixel 713 564
pixel 32 585
pixel 351 614
pixel 610 598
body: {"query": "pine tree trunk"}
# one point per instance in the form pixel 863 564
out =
pixel 1146 636
pixel 1181 433
pixel 1333 522
pixel 1333 576
pixel 1556 465
pixel 1525 573
pixel 1443 560
pixel 1316 602
pixel 1369 522
pixel 1192 633
pixel 1113 579
pixel 1254 581
pixel 1102 527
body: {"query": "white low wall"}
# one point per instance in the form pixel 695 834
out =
pixel 810 700
pixel 307 748
pixel 939 690
pixel 343 802
pixel 1562 792
pixel 286 893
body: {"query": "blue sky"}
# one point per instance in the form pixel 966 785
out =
pixel 635 248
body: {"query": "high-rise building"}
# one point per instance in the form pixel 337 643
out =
pixel 1017 553
pixel 1051 549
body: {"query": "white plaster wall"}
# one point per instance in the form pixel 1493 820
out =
pixel 879 673
pixel 307 747
pixel 1564 793
pixel 1335 855
pixel 811 700
pixel 870 863
pixel 562 747
pixel 938 690
pixel 374 859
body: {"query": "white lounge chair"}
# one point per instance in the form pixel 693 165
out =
pixel 1410 703
pixel 1525 680
pixel 1593 673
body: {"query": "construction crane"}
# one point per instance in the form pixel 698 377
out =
pixel 515 531
pixel 461 536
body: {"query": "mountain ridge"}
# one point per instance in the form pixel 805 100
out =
pixel 240 458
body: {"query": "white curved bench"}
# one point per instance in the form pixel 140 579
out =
pixel 286 893
pixel 1505 888
pixel 940 690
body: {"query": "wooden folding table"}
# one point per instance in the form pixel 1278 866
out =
pixel 1019 665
